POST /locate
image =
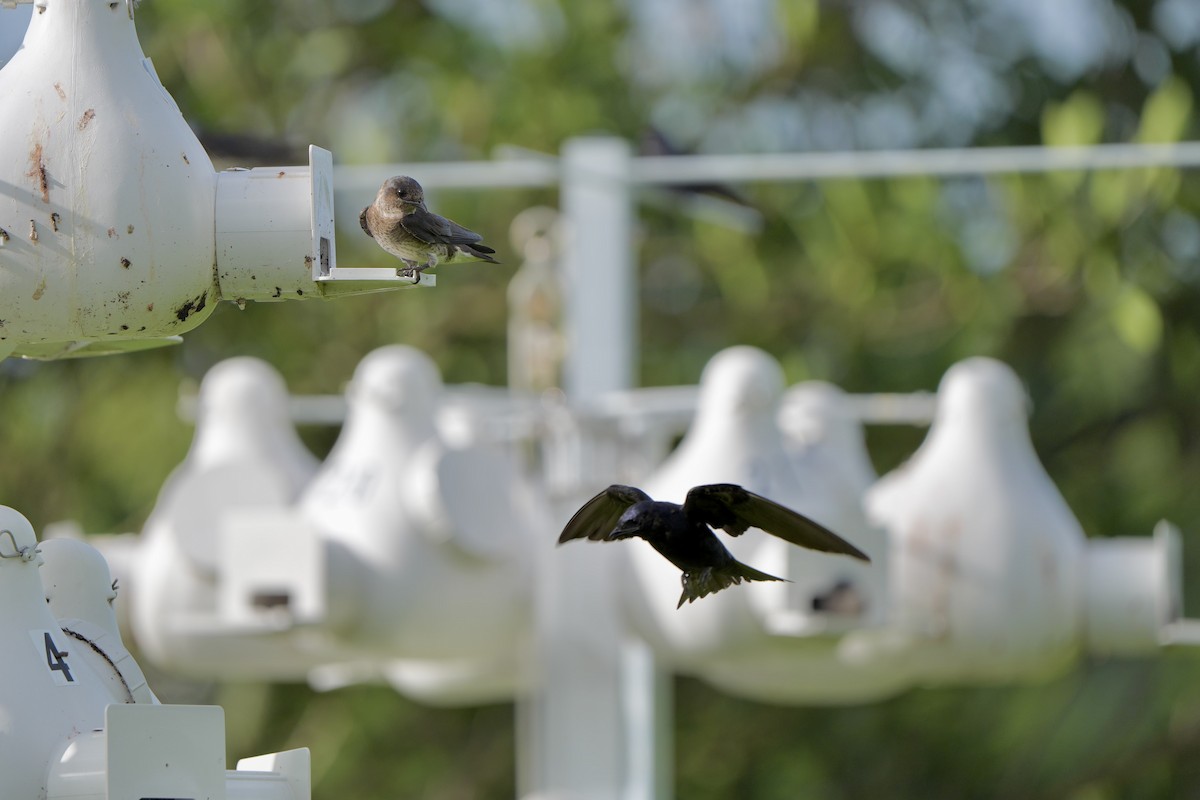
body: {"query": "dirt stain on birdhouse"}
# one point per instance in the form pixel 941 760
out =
pixel 195 305
pixel 37 171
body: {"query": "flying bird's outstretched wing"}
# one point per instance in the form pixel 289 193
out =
pixel 734 510
pixel 598 516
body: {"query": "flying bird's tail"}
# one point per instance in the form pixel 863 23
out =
pixel 714 579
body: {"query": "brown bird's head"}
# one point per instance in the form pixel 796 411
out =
pixel 400 194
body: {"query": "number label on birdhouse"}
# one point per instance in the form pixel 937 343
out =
pixel 55 656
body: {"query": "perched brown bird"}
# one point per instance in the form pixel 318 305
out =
pixel 683 534
pixel 403 226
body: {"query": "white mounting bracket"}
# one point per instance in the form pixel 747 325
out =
pixel 157 751
pixel 273 568
pixel 275 236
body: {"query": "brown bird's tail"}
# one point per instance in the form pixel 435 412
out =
pixel 714 579
pixel 479 251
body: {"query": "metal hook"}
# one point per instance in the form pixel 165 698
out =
pixel 23 553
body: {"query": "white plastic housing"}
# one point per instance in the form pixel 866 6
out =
pixel 1132 591
pixel 80 591
pixel 763 640
pixel 270 245
pixel 827 449
pixel 76 719
pixel 275 236
pixel 987 559
pixel 245 458
pixel 402 559
pixel 108 210
pixel 52 692
pixel 439 535
pixel 169 752
pixel 272 566
pixel 78 583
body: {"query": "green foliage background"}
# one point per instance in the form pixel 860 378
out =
pixel 1087 284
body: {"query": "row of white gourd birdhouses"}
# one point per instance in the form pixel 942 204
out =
pixel 406 558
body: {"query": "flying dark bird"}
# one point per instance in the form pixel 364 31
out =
pixel 683 534
pixel 403 226
pixel 655 143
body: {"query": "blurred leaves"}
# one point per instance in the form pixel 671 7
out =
pixel 1137 320
pixel 1167 112
pixel 1077 121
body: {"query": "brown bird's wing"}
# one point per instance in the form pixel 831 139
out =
pixel 362 220
pixel 734 510
pixel 435 229
pixel 598 516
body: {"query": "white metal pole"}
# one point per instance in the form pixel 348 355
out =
pixel 601 302
pixel 787 167
pixel 867 164
pixel 589 729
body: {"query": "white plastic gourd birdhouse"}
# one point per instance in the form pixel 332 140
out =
pixel 50 691
pixel 825 443
pixel 215 528
pixel 242 417
pixel 756 639
pixel 77 719
pixel 80 591
pixel 437 534
pixel 732 439
pixel 986 557
pixel 819 424
pixel 115 232
pixel 108 218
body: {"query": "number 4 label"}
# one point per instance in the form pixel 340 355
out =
pixel 55 657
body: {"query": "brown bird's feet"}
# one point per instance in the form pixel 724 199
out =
pixel 411 270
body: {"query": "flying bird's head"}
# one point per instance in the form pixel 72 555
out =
pixel 629 526
pixel 643 519
pixel 400 194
